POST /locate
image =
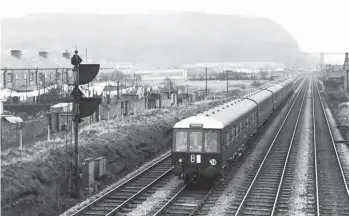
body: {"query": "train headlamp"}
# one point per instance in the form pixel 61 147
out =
pixel 180 160
pixel 213 162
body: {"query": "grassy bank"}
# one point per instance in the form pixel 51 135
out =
pixel 338 103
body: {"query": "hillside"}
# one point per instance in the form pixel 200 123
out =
pixel 155 40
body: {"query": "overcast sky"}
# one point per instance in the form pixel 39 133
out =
pixel 317 25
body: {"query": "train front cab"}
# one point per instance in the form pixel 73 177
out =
pixel 196 151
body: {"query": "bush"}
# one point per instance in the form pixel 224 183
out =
pixel 333 85
pixel 337 97
pixel 255 83
pixel 240 85
pixel 126 142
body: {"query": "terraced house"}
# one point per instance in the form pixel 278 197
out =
pixel 28 72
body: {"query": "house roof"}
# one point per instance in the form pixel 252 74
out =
pixel 336 74
pixel 31 59
pixel 12 119
pixel 114 88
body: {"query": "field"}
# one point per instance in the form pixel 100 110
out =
pixel 212 85
pixel 219 85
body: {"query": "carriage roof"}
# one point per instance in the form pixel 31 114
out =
pixel 275 88
pixel 223 115
pixel 219 117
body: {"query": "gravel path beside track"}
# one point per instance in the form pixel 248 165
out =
pixel 298 198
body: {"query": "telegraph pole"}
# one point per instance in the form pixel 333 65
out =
pixel 26 90
pixel 187 93
pixel 226 74
pixel 206 80
pixel 346 71
pixel 1 112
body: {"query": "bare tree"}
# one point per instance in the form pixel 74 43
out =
pixel 263 75
pixel 169 83
pixel 111 76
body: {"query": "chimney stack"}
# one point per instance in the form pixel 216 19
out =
pixel 43 54
pixel 16 53
pixel 346 56
pixel 66 55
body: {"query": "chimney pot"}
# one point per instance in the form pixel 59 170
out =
pixel 16 53
pixel 43 54
pixel 66 55
pixel 346 55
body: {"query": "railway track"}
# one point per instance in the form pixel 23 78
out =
pixel 331 184
pixel 286 187
pixel 263 191
pixel 212 200
pixel 185 201
pixel 125 197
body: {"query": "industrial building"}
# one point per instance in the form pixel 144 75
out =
pixel 161 74
pixel 334 72
pixel 247 67
pixel 124 67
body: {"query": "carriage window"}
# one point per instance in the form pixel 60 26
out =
pixel 195 144
pixel 227 138
pixel 241 126
pixel 9 77
pixel 237 130
pixel 233 132
pixel 211 142
pixel 181 141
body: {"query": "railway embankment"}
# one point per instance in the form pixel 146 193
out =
pixel 34 181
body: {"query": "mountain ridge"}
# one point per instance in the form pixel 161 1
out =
pixel 155 40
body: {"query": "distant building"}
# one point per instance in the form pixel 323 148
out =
pixel 247 67
pixel 334 72
pixel 124 67
pixel 161 74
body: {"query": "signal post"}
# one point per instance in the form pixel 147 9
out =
pixel 83 107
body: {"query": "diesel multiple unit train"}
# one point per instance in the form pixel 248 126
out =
pixel 206 144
